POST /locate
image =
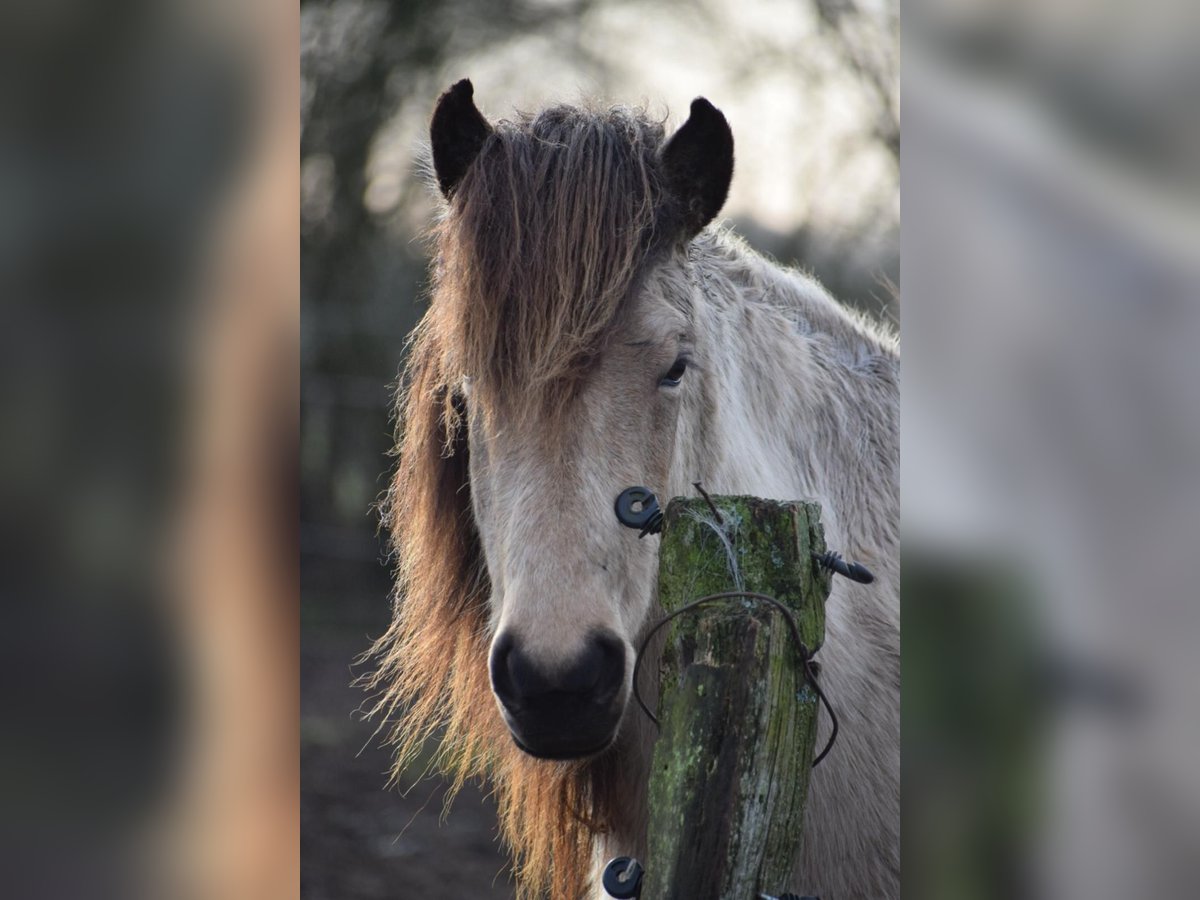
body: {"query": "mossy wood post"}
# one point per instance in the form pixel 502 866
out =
pixel 738 720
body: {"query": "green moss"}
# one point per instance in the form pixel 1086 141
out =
pixel 738 721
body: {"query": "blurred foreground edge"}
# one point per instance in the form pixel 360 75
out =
pixel 149 399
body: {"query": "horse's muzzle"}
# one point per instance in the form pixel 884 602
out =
pixel 563 712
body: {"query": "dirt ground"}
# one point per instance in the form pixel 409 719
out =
pixel 360 840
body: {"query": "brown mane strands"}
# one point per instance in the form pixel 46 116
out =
pixel 541 247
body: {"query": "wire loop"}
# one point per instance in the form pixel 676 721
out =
pixel 809 676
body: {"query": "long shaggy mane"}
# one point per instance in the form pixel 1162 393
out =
pixel 541 247
pixel 536 256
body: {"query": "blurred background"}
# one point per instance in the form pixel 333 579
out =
pixel 811 91
pixel 1051 441
pixel 149 326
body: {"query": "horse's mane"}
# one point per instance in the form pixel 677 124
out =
pixel 542 243
pixel 537 254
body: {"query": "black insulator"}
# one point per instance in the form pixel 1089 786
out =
pixel 854 571
pixel 647 517
pixel 623 878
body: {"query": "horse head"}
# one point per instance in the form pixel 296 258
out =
pixel 575 366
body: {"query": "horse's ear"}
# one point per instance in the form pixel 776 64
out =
pixel 698 164
pixel 457 133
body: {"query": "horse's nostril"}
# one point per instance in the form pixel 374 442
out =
pixel 502 680
pixel 595 675
pixel 599 670
pixel 524 677
pixel 610 665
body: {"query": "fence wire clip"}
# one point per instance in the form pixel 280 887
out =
pixel 637 507
pixel 854 571
pixel 623 878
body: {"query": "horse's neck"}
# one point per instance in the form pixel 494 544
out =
pixel 803 401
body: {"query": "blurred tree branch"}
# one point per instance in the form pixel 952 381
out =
pixel 868 43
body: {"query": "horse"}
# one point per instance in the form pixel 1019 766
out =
pixel 590 328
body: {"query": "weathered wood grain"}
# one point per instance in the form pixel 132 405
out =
pixel 738 721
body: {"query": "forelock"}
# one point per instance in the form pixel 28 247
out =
pixel 544 241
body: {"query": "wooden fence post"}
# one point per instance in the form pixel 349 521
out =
pixel 738 720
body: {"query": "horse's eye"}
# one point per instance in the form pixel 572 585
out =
pixel 671 379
